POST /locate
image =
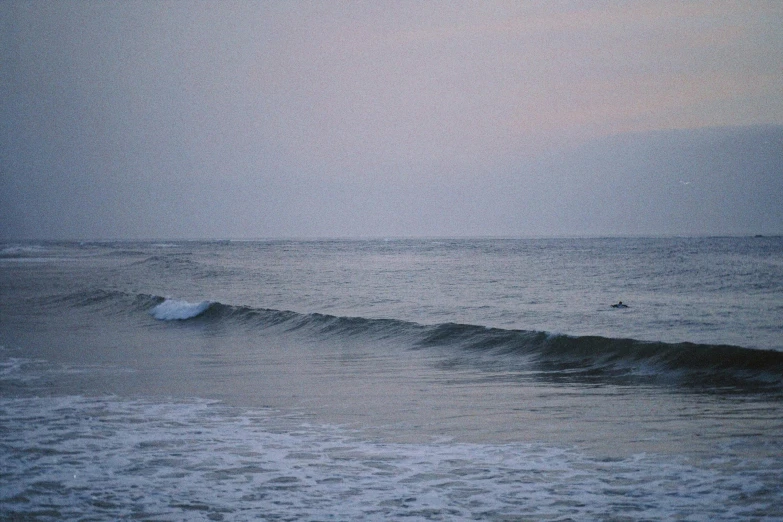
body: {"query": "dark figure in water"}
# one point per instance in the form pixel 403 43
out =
pixel 620 305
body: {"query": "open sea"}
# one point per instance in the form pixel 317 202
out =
pixel 427 379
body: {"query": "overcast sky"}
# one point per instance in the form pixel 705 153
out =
pixel 144 119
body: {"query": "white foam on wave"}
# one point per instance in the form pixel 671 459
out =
pixel 110 458
pixel 20 250
pixel 25 254
pixel 173 310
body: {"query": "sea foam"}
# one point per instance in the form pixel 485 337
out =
pixel 172 310
pixel 113 459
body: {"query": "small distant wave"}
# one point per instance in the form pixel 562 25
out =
pixel 21 251
pixel 173 310
pixel 180 263
pixel 176 260
pixel 124 253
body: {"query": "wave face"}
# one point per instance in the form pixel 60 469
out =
pixel 553 357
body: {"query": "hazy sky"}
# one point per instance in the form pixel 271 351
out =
pixel 301 118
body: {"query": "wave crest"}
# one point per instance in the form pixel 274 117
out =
pixel 173 310
pixel 539 355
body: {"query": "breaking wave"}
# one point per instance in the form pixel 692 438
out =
pixel 545 355
pixel 173 310
pixel 14 251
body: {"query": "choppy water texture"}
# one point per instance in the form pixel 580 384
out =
pixel 425 379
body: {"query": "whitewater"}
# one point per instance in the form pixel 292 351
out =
pixel 427 379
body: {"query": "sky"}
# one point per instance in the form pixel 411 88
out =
pixel 261 119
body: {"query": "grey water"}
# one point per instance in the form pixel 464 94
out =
pixel 430 379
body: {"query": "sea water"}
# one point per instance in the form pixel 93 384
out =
pixel 431 379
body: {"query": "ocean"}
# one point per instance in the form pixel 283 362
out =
pixel 416 379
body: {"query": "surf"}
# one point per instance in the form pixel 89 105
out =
pixel 174 310
pixel 550 356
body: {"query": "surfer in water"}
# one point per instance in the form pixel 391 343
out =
pixel 620 305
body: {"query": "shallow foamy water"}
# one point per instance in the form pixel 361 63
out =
pixel 108 458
